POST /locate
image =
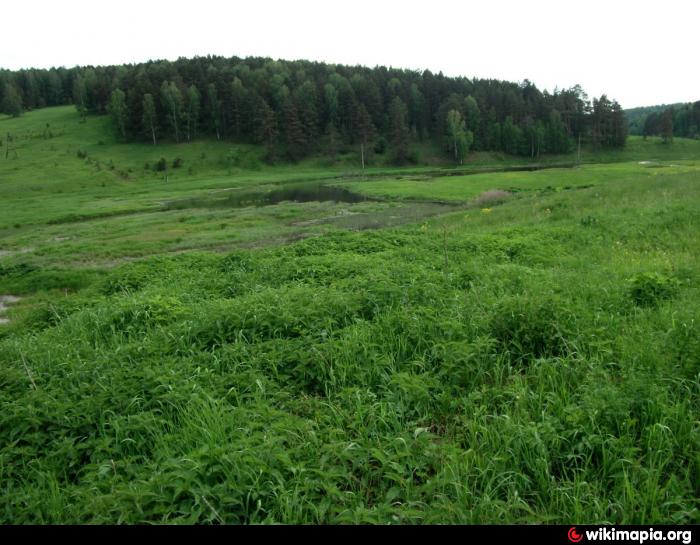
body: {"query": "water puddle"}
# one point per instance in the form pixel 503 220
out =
pixel 290 193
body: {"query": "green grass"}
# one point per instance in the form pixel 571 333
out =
pixel 44 179
pixel 466 188
pixel 534 362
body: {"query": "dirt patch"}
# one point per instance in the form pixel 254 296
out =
pixel 226 189
pixel 7 253
pixel 5 302
pixel 492 197
pixel 342 213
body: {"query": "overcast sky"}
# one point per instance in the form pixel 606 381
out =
pixel 638 52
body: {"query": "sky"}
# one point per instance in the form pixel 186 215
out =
pixel 638 52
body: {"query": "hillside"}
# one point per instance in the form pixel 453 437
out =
pixel 499 342
pixel 298 109
pixel 636 116
pixel 685 119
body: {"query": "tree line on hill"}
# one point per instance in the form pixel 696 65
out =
pixel 299 108
pixel 681 120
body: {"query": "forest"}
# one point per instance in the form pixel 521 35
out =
pixel 681 120
pixel 300 108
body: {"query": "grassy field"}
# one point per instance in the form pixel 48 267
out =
pixel 466 188
pixel 529 354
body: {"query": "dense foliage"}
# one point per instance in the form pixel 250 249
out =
pixel 545 371
pixel 300 108
pixel 675 120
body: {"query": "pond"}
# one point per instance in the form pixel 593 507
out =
pixel 293 193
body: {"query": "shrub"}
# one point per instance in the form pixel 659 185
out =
pixel 161 165
pixel 492 197
pixel 233 157
pixel 135 316
pixel 648 289
pixel 284 313
pixel 380 146
pixel 23 279
pixel 129 279
pixel 20 269
pixel 50 313
pixel 527 327
pixel 177 163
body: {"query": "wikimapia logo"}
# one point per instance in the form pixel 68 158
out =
pixel 574 536
pixel 635 536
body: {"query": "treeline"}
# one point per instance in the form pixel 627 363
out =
pixel 678 120
pixel 299 108
pixel 637 116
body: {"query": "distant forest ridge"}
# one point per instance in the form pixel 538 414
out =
pixel 300 108
pixel 682 119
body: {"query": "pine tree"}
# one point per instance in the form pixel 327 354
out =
pixel 267 128
pixel 54 89
pixel 601 122
pixel 150 118
pixel 193 106
pixel 237 104
pixel 332 140
pixel 118 111
pixel 12 101
pixel 619 126
pixel 491 131
pixel 306 100
pixel 651 125
pixel 472 115
pixel 80 96
pixel 666 126
pixel 539 134
pixel 556 139
pixel 330 94
pixel 511 136
pixel 365 131
pixel 416 110
pixel 398 130
pixel 297 146
pixel 214 109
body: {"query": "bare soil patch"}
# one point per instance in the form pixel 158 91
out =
pixel 5 302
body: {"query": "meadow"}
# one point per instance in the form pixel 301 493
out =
pixel 460 347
